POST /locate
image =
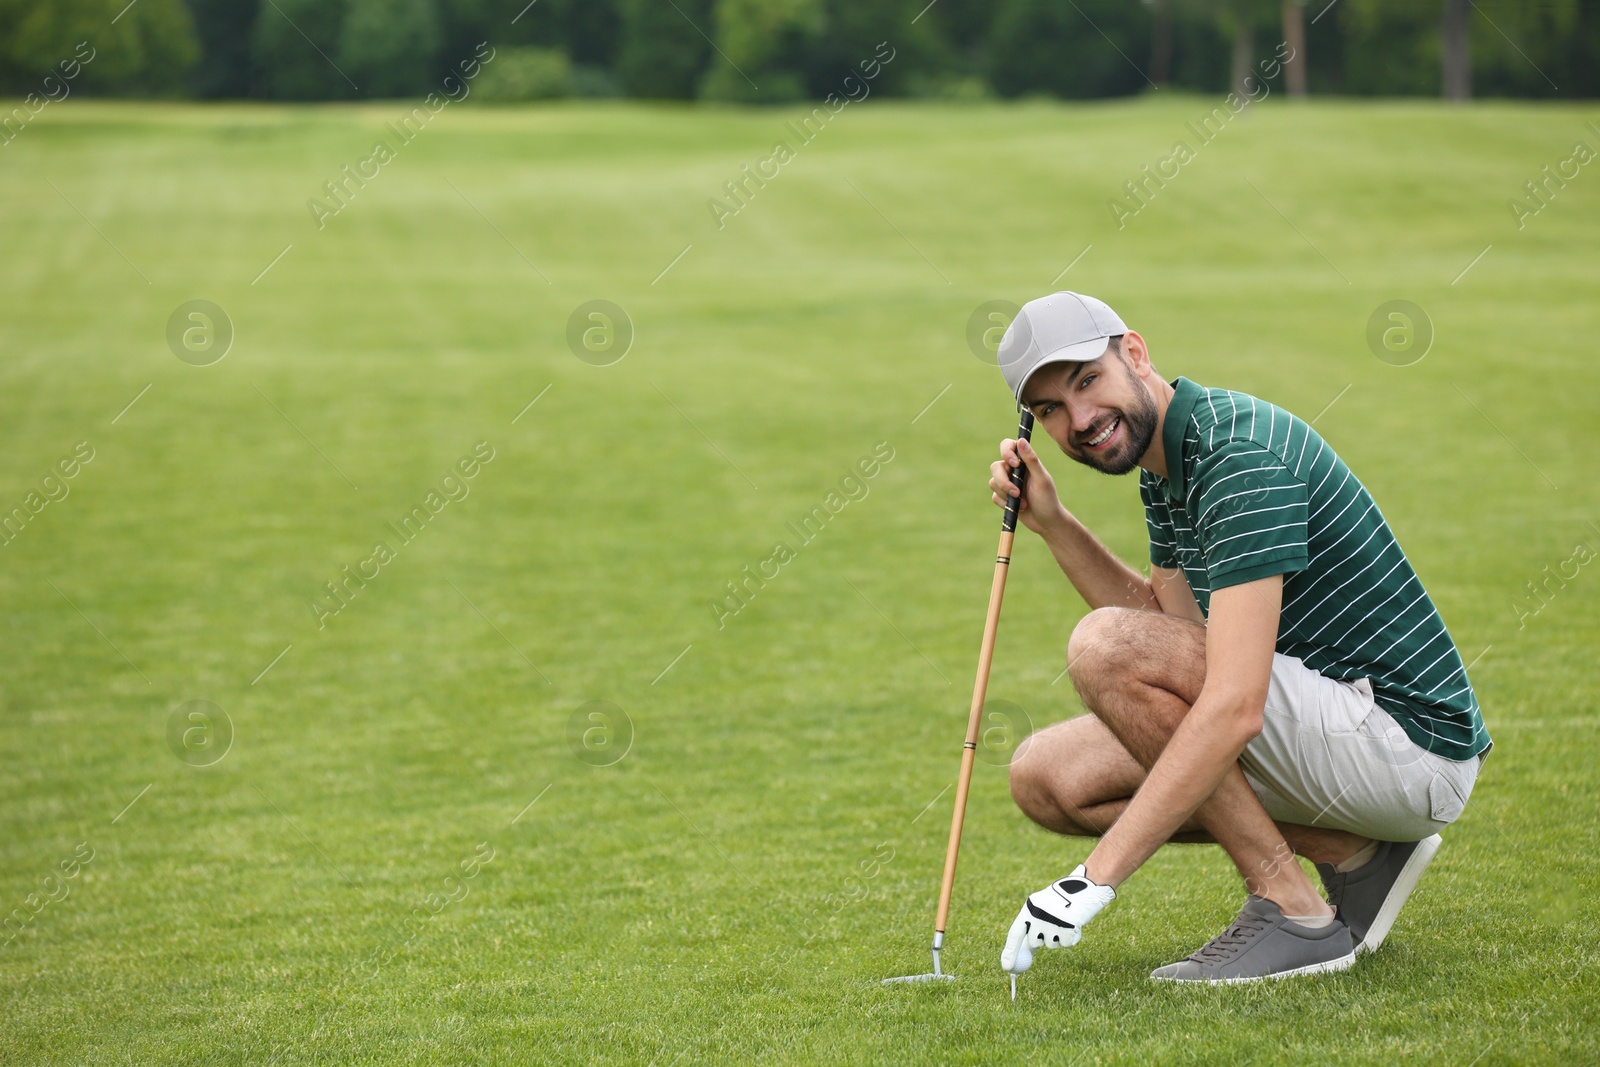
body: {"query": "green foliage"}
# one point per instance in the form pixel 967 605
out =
pixel 1517 46
pixel 956 88
pixel 851 34
pixel 962 24
pixel 594 81
pixel 1577 62
pixel 525 73
pixel 588 32
pixel 1042 46
pixel 662 51
pixel 1261 17
pixel 781 50
pixel 1391 47
pixel 223 28
pixel 146 49
pixel 762 47
pixel 591 32
pixel 387 46
pixel 294 48
pixel 1200 47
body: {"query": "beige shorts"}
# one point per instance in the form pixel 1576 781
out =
pixel 1328 755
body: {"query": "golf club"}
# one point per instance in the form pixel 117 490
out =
pixel 1002 562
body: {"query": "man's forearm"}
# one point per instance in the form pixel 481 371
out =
pixel 1095 572
pixel 1204 749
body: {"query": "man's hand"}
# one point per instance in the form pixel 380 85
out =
pixel 1053 917
pixel 1040 507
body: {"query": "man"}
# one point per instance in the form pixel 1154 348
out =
pixel 1281 684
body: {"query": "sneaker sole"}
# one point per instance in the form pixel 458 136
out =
pixel 1410 875
pixel 1343 963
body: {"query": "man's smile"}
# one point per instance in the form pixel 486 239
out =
pixel 1103 438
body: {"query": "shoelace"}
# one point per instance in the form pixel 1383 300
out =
pixel 1225 945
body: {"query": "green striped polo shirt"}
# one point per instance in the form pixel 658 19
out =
pixel 1253 491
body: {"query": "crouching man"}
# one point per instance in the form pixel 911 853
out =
pixel 1281 684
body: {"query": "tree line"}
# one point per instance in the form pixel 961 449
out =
pixel 775 51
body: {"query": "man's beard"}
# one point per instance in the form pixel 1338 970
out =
pixel 1138 430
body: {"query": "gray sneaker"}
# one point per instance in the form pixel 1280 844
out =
pixel 1260 944
pixel 1370 897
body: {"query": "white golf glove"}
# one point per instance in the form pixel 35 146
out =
pixel 1053 917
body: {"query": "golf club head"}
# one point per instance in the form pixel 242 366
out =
pixel 938 974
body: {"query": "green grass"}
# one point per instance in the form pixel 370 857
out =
pixel 705 899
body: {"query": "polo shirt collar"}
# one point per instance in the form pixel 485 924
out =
pixel 1185 395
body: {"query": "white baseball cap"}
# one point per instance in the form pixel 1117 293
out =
pixel 1060 328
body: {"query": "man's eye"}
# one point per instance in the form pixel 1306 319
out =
pixel 1084 383
pixel 1048 408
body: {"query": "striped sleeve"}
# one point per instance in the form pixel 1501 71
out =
pixel 1163 541
pixel 1250 514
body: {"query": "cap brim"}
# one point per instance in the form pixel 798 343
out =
pixel 1082 352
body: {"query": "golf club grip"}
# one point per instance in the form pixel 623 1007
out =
pixel 1019 474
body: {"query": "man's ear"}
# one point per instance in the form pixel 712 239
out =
pixel 1137 355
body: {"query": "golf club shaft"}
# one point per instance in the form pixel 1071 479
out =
pixel 1002 562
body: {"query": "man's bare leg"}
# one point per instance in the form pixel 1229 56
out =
pixel 1075 778
pixel 1139 672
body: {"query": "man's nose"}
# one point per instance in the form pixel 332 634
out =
pixel 1081 415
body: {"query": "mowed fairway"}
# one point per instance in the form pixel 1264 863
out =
pixel 768 846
